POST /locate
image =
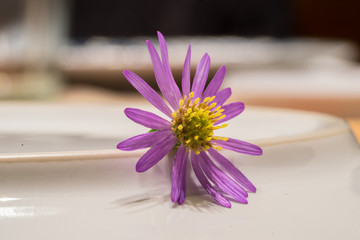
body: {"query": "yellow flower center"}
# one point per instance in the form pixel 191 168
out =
pixel 193 123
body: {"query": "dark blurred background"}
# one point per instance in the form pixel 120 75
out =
pixel 187 17
pixel 278 18
pixel 302 51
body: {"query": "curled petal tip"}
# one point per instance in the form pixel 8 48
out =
pixel 259 151
pixel 119 146
pixel 139 169
pixel 174 195
pixel 251 188
pixel 148 42
pixel 160 34
pixel 126 111
pixel 227 205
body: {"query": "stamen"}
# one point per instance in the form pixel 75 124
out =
pixel 206 100
pixel 217 109
pixel 212 105
pixel 193 123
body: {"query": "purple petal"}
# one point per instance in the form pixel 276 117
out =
pixel 178 189
pixel 149 93
pixel 232 170
pixel 166 84
pixel 183 186
pixel 147 119
pixel 206 184
pixel 155 154
pixel 144 140
pixel 215 83
pixel 167 69
pixel 222 96
pixel 221 180
pixel 231 110
pixel 201 75
pixel 240 146
pixel 186 73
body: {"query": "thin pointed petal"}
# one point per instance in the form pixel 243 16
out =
pixel 215 83
pixel 147 119
pixel 166 65
pixel 155 154
pixel 182 196
pixel 150 94
pixel 179 170
pixel 229 167
pixel 221 180
pixel 201 74
pixel 186 73
pixel 240 146
pixel 222 96
pixel 144 140
pixel 206 184
pixel 165 84
pixel 231 110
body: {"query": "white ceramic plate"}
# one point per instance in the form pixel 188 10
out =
pixel 308 179
pixel 43 132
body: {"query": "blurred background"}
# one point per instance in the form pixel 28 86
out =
pixel 299 54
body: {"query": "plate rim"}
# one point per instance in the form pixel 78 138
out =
pixel 337 126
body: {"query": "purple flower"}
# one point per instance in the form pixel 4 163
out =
pixel 194 115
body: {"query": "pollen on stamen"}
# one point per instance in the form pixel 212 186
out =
pixel 218 109
pixel 206 100
pixel 193 123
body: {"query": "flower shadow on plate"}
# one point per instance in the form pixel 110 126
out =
pixel 140 202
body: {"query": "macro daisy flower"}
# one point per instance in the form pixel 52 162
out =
pixel 192 118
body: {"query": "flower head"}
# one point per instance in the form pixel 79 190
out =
pixel 193 118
